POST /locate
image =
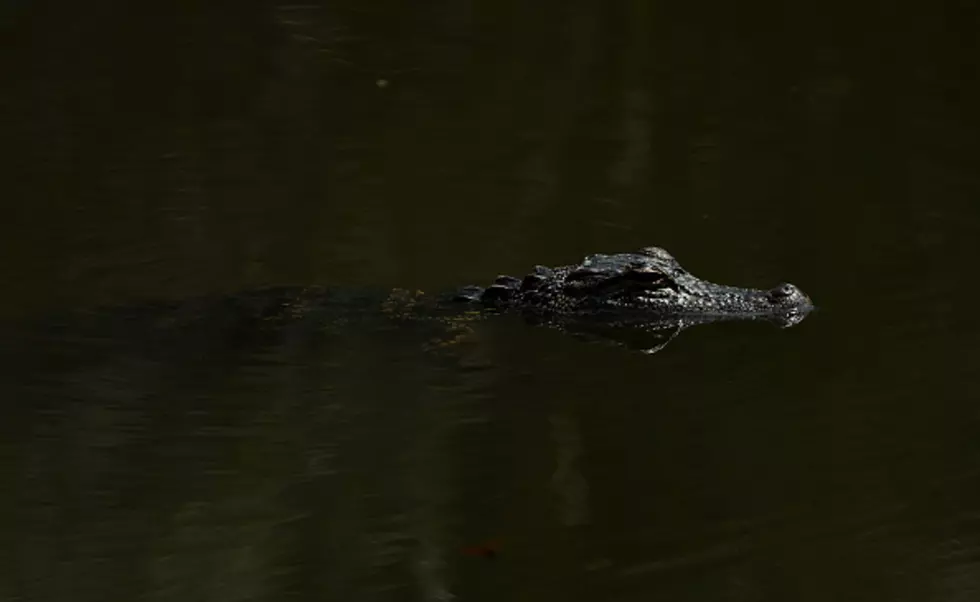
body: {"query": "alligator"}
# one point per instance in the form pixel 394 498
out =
pixel 640 300
pixel 646 284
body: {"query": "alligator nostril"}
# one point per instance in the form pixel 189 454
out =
pixel 782 291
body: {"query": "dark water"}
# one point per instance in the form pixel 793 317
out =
pixel 166 151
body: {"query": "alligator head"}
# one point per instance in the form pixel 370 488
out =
pixel 647 290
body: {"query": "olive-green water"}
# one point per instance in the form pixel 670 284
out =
pixel 164 151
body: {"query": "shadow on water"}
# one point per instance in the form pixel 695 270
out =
pixel 154 152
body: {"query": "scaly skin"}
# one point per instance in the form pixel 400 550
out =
pixel 648 286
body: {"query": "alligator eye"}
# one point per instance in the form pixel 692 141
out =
pixel 657 253
pixel 646 274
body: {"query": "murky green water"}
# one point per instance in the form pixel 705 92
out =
pixel 163 152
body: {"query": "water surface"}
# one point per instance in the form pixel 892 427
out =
pixel 155 153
